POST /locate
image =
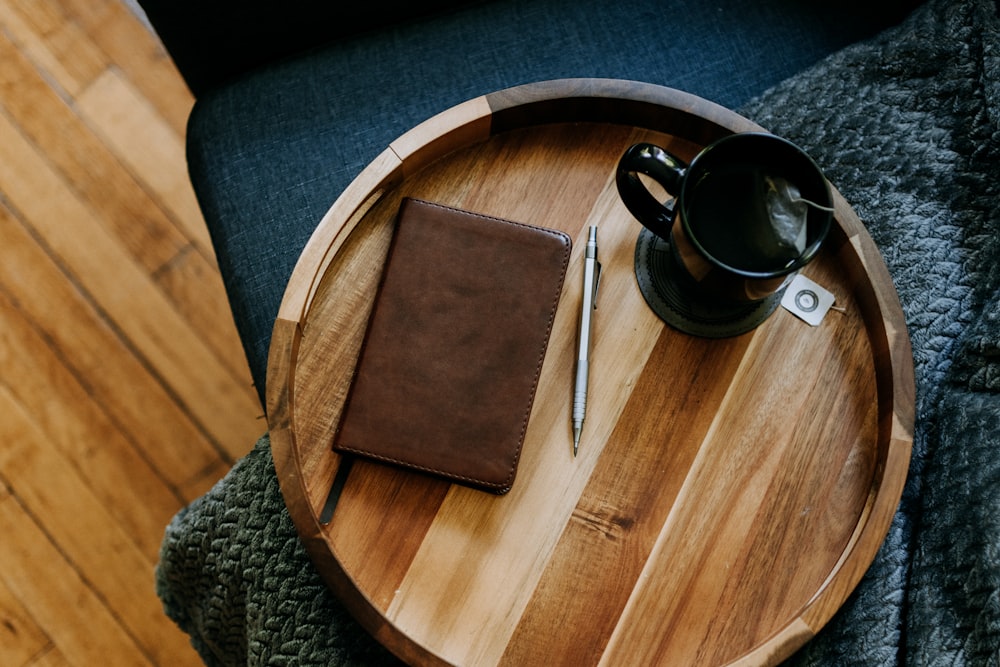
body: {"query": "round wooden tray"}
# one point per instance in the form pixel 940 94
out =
pixel 728 494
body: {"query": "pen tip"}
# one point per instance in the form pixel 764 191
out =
pixel 576 439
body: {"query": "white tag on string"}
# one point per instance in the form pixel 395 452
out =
pixel 807 300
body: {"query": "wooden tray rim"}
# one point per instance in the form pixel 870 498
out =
pixel 644 105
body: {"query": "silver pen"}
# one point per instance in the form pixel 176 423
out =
pixel 591 280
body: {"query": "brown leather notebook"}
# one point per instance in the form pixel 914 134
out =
pixel 450 361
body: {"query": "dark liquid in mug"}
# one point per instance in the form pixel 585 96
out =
pixel 728 215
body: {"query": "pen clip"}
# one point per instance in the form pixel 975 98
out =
pixel 597 281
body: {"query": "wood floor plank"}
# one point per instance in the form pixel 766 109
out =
pixel 86 163
pixel 85 342
pixel 33 46
pixel 79 60
pixel 195 288
pixel 20 637
pixel 52 657
pixel 83 530
pixel 44 17
pixel 131 489
pixel 59 598
pixel 224 407
pixel 200 485
pixel 145 142
pixel 138 53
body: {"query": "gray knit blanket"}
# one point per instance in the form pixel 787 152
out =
pixel 907 127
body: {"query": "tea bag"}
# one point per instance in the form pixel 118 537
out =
pixel 780 234
pixel 787 212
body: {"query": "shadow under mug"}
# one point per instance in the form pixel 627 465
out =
pixel 709 262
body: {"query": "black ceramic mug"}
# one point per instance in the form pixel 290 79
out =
pixel 724 234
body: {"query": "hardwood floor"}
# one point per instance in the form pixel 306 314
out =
pixel 123 387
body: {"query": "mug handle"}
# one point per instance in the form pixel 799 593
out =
pixel 663 168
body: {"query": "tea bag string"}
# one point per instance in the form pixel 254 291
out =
pixel 828 209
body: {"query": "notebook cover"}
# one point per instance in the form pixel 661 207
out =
pixel 451 357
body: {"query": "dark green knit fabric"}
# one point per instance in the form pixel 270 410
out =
pixel 234 576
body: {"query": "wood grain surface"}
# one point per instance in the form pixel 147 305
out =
pixel 728 494
pixel 124 388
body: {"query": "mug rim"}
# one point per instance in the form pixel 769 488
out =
pixel 805 256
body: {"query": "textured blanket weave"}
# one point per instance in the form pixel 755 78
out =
pixel 907 127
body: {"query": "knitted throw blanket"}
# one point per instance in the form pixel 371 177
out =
pixel 907 127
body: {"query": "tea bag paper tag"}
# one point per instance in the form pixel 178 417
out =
pixel 807 300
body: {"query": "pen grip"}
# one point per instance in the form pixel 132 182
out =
pixel 580 390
